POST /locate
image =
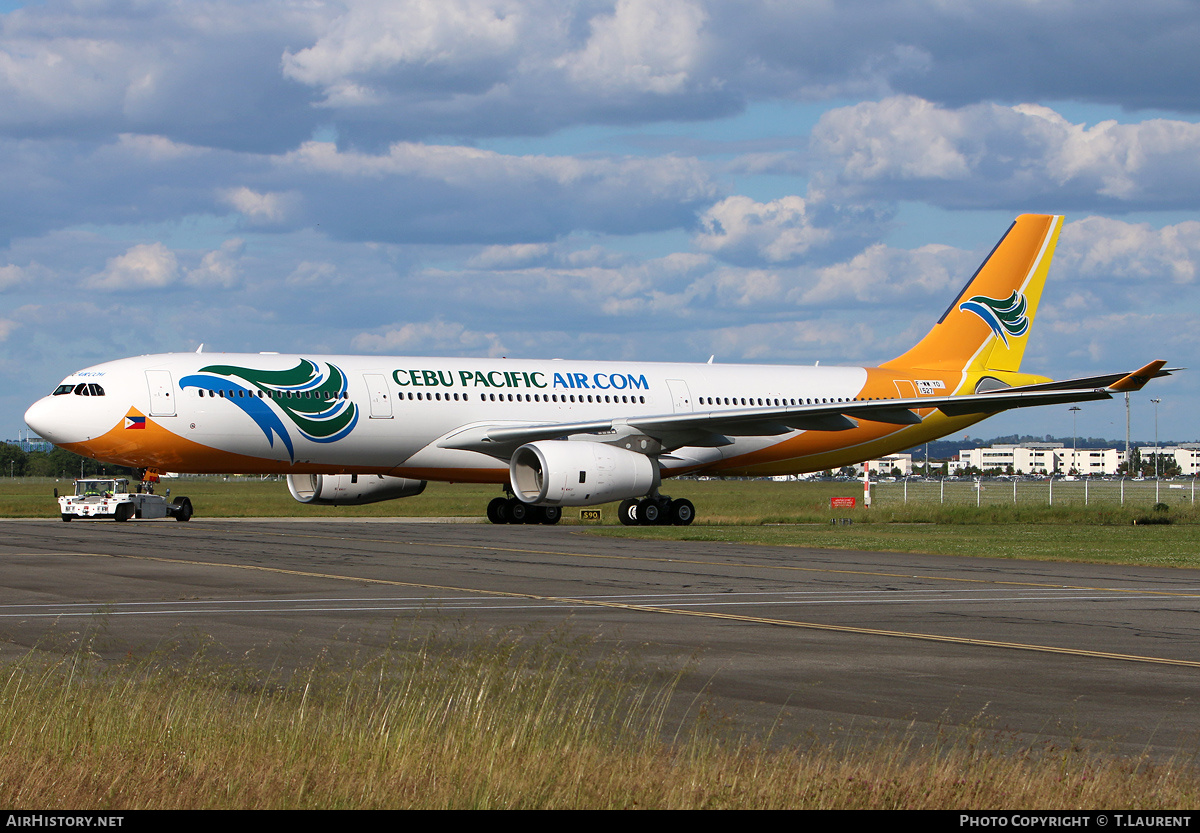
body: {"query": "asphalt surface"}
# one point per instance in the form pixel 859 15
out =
pixel 804 644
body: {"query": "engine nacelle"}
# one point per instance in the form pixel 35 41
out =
pixel 564 473
pixel 351 489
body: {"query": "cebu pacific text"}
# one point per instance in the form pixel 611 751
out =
pixel 423 378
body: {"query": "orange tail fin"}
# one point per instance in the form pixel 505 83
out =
pixel 987 325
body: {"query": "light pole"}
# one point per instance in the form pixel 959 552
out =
pixel 1128 458
pixel 1156 401
pixel 1075 409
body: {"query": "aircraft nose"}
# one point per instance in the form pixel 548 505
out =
pixel 46 420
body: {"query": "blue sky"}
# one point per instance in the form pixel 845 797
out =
pixel 658 179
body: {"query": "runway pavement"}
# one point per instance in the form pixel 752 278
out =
pixel 809 644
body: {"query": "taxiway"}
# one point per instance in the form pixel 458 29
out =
pixel 804 643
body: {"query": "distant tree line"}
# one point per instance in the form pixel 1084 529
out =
pixel 16 462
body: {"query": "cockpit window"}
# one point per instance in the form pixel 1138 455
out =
pixel 87 389
pixel 80 389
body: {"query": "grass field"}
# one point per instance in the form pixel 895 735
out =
pixel 508 722
pixel 766 512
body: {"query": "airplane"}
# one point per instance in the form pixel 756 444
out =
pixel 350 430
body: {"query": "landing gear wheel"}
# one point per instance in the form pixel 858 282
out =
pixel 518 513
pixel 551 514
pixel 627 512
pixel 497 510
pixel 650 512
pixel 682 512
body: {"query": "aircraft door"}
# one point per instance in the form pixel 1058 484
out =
pixel 381 398
pixel 681 398
pixel 162 402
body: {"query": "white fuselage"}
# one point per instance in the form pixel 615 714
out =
pixel 215 412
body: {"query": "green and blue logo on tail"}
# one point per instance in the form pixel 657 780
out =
pixel 1006 317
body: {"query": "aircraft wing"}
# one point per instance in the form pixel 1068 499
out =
pixel 714 428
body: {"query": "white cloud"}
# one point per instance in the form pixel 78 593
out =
pixel 247 73
pixel 897 138
pixel 195 71
pixel 884 276
pixel 777 232
pixel 145 266
pixel 156 148
pixel 56 75
pixel 453 193
pixel 806 340
pixel 509 257
pixel 220 266
pixel 11 275
pixel 1102 265
pixel 313 275
pixel 1073 341
pixel 644 46
pixel 379 36
pixel 432 337
pixel 462 165
pixel 1100 248
pixel 992 155
pixel 259 207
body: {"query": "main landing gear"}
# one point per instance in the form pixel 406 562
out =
pixel 509 510
pixel 649 511
pixel 656 511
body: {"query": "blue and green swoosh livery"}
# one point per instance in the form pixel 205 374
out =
pixel 1006 317
pixel 314 401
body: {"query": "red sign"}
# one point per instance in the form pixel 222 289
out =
pixel 842 502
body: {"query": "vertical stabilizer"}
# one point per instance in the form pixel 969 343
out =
pixel 987 325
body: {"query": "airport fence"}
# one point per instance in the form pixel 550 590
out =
pixel 993 492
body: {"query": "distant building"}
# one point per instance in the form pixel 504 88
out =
pixel 32 443
pixel 1090 461
pixel 885 466
pixel 1043 458
pixel 1027 458
pixel 1185 455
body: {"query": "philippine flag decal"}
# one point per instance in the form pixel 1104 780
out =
pixel 133 423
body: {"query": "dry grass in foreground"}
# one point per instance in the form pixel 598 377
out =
pixel 518 724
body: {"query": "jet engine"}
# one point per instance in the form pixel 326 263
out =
pixel 351 489
pixel 564 473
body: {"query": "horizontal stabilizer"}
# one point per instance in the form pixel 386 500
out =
pixel 1138 378
pixel 1108 381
